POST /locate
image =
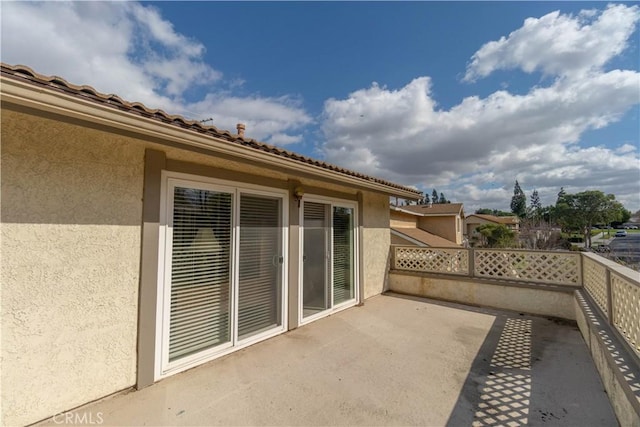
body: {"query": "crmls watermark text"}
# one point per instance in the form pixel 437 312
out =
pixel 85 418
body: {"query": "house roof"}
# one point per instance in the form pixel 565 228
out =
pixel 424 237
pixel 436 209
pixel 497 219
pixel 87 93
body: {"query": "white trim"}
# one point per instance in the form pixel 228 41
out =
pixel 162 367
pixel 332 202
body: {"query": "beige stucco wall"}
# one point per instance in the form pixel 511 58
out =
pixel 375 243
pixel 402 220
pixel 609 361
pixel 71 209
pixel 443 226
pixel 467 291
pixel 71 232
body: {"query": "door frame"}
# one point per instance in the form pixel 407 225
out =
pixel 162 367
pixel 332 202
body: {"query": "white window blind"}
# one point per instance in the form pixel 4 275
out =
pixel 200 271
pixel 260 265
pixel 343 268
pixel 316 294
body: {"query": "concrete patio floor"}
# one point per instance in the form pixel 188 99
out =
pixel 394 361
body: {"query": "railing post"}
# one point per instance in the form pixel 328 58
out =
pixel 472 263
pixel 393 257
pixel 581 270
pixel 607 281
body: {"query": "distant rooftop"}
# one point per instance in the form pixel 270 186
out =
pixel 497 219
pixel 433 209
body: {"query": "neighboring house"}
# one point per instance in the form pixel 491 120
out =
pixel 473 221
pixel 439 225
pixel 136 244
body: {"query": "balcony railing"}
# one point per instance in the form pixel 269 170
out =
pixel 617 295
pixel 614 289
pixel 558 268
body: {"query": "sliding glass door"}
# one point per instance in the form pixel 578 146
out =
pixel 328 259
pixel 343 255
pixel 223 270
pixel 200 281
pixel 260 265
pixel 315 259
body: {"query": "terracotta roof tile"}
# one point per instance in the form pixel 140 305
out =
pixel 24 73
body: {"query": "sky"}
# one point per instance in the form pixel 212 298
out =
pixel 463 97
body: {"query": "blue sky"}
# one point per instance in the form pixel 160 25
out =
pixel 465 97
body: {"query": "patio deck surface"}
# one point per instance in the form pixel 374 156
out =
pixel 394 361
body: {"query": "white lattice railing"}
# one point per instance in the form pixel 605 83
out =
pixel 432 260
pixel 559 268
pixel 625 305
pixel 616 292
pixel 595 282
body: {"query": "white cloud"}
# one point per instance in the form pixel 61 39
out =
pixel 265 118
pixel 406 136
pixel 626 148
pixel 557 44
pixel 284 139
pixel 474 151
pixel 129 49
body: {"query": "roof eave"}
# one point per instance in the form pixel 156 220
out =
pixel 399 209
pixel 54 101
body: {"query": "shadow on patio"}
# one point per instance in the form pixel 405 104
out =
pixel 395 361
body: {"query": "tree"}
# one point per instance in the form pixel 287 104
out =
pixel 497 235
pixel 425 201
pixel 624 216
pixel 547 214
pixel 442 199
pixel 535 209
pixel 561 195
pixel 494 212
pixel 580 211
pixel 518 201
pixel 434 196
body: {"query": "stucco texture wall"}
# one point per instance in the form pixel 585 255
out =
pixel 71 211
pixel 467 291
pixel 402 220
pixel 71 232
pixel 376 243
pixel 443 226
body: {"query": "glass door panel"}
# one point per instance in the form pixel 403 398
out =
pixel 315 265
pixel 260 265
pixel 200 304
pixel 343 255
